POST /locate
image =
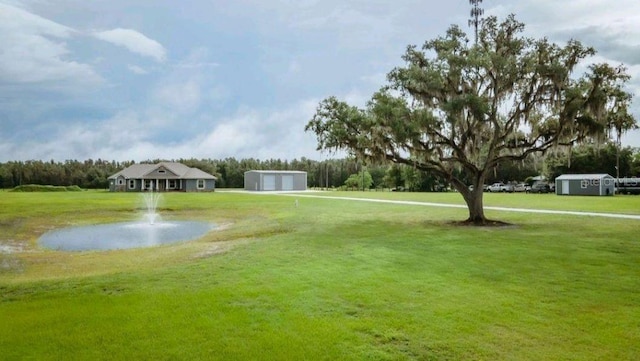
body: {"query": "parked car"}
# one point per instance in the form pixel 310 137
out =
pixel 485 187
pixel 520 187
pixel 539 187
pixel 501 187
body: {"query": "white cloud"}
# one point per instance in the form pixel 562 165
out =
pixel 34 50
pixel 359 25
pixel 14 19
pixel 252 74
pixel 130 135
pixel 262 134
pixel 135 42
pixel 194 65
pixel 181 96
pixel 294 67
pixel 137 69
pixel 188 86
pixel 578 19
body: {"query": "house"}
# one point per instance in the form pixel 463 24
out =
pixel 162 177
pixel 585 184
pixel 275 180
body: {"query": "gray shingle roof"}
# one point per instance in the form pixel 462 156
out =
pixel 137 171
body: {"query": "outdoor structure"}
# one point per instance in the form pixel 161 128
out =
pixel 275 180
pixel 628 185
pixel 585 185
pixel 162 177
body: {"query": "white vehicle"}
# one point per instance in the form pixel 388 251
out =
pixel 520 187
pixel 501 187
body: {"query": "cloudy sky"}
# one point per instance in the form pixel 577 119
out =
pixel 147 79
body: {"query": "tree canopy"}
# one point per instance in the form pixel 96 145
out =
pixel 458 109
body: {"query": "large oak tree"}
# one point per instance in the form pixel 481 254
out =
pixel 457 108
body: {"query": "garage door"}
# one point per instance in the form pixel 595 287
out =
pixel 287 182
pixel 269 182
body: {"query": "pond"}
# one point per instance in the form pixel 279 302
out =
pixel 123 235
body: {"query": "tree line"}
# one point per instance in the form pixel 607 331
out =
pixel 347 173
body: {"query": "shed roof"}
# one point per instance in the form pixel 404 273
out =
pixel 141 170
pixel 277 171
pixel 583 176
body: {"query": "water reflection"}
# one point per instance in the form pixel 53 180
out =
pixel 123 235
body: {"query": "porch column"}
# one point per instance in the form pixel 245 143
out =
pixel 142 186
pixel 166 184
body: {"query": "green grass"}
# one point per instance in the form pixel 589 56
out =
pixel 628 204
pixel 328 280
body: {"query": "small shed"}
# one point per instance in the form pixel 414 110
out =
pixel 585 185
pixel 275 180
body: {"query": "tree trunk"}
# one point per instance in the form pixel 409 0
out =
pixel 473 199
pixel 475 206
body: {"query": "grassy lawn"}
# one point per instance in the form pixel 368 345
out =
pixel 625 204
pixel 327 280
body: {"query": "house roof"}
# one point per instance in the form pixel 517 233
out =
pixel 583 176
pixel 138 171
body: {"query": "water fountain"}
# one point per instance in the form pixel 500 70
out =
pixel 151 200
pixel 151 230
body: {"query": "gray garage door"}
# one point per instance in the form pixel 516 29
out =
pixel 287 182
pixel 269 182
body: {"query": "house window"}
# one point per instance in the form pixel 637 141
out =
pixel 200 184
pixel 172 184
pixel 132 183
pixel 162 171
pixel 120 181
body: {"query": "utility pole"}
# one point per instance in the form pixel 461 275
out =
pixel 476 12
pixel 326 178
pixel 618 145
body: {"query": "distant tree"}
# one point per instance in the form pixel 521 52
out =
pixel 620 122
pixel 457 109
pixel 6 179
pixel 634 170
pixel 592 159
pixel 412 178
pixel 359 181
pixel 377 175
pixel 512 171
pixel 393 176
pixel 234 173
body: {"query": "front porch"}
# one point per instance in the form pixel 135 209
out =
pixel 160 185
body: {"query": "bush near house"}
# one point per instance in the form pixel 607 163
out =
pixel 45 188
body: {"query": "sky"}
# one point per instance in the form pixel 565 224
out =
pixel 210 79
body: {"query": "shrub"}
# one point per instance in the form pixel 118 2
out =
pixel 45 188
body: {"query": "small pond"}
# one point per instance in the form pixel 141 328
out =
pixel 123 235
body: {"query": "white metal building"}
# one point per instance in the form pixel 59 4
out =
pixel 275 180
